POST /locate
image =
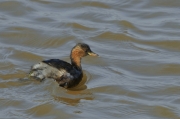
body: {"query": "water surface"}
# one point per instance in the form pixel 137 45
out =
pixel 135 77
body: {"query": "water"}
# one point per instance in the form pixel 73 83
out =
pixel 135 77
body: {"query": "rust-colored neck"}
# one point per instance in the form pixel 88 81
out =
pixel 76 57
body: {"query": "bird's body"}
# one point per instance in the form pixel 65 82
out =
pixel 67 75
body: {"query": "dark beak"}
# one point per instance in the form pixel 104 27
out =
pixel 92 54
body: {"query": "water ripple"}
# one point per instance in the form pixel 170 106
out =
pixel 136 75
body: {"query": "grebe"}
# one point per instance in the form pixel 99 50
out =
pixel 67 75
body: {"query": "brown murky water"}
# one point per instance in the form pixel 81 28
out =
pixel 137 75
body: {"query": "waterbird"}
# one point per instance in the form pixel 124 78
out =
pixel 65 74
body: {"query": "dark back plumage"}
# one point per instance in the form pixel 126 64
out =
pixel 59 64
